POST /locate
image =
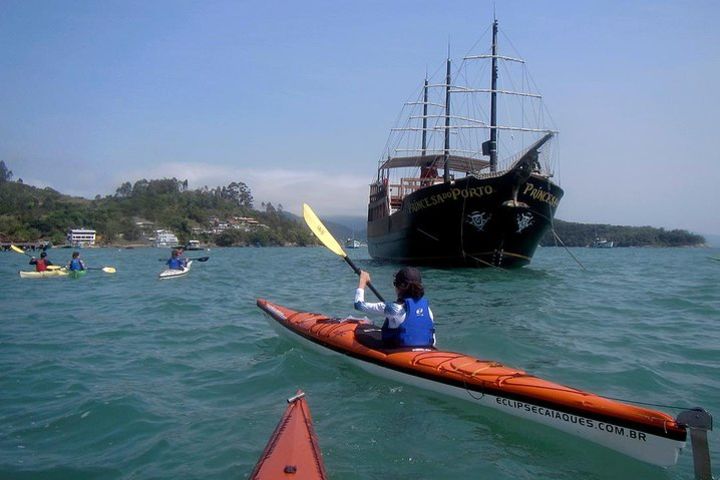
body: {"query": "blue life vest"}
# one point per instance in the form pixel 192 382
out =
pixel 76 265
pixel 416 330
pixel 176 263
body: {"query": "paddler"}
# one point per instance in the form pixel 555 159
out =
pixel 76 264
pixel 41 263
pixel 408 320
pixel 176 262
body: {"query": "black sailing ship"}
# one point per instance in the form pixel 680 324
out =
pixel 458 205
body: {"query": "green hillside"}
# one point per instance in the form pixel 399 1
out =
pixel 223 215
pixel 584 234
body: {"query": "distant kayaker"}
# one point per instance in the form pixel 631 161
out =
pixel 408 320
pixel 176 262
pixel 76 264
pixel 41 263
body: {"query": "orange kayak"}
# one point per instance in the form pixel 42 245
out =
pixel 645 434
pixel 292 451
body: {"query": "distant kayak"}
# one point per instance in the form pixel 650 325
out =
pixel 46 274
pixel 76 273
pixel 172 273
pixel 292 451
pixel 641 433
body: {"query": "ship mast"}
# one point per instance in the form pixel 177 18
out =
pixel 424 118
pixel 446 173
pixel 493 102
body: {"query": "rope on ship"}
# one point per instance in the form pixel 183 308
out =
pixel 479 260
pixel 557 237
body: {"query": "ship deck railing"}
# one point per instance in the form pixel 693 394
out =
pixel 408 185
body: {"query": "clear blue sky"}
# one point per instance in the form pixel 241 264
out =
pixel 296 98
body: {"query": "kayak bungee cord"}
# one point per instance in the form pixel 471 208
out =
pixel 469 392
pixel 672 407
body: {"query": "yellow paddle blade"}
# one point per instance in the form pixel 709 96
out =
pixel 17 249
pixel 109 270
pixel 321 232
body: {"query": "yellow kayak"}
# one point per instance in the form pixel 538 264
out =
pixel 46 274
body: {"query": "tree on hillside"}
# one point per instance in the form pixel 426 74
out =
pixel 240 193
pixel 125 190
pixel 5 173
pixel 268 207
pixel 140 187
pixel 164 186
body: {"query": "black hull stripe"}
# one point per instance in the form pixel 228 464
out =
pixel 642 427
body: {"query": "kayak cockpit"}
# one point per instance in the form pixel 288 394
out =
pixel 370 336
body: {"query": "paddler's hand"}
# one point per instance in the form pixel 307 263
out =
pixel 364 279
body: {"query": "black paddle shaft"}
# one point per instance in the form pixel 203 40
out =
pixel 357 271
pixel 200 259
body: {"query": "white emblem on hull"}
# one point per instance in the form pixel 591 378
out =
pixel 524 220
pixel 478 220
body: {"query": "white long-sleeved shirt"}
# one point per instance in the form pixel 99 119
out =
pixel 393 312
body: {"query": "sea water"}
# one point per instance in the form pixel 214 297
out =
pixel 124 376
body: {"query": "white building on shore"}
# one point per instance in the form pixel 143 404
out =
pixel 81 237
pixel 165 238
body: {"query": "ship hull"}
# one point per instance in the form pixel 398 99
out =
pixel 468 222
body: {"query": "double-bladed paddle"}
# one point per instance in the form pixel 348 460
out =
pixel 17 249
pixel 104 269
pixel 200 259
pixel 324 235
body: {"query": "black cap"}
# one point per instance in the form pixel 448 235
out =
pixel 43 255
pixel 407 275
